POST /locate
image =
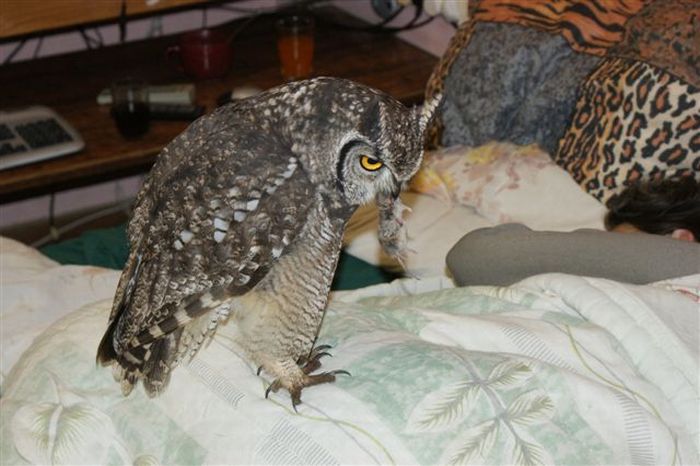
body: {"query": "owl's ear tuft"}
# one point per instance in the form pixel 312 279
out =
pixel 428 111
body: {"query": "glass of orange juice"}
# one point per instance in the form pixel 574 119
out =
pixel 295 46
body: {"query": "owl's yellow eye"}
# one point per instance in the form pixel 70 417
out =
pixel 370 164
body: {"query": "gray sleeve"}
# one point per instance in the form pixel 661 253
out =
pixel 505 254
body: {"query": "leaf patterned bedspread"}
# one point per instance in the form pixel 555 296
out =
pixel 556 369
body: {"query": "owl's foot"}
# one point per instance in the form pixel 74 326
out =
pixel 312 362
pixel 295 376
pixel 306 381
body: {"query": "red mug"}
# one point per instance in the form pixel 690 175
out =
pixel 203 53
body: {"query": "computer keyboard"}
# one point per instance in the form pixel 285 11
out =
pixel 35 133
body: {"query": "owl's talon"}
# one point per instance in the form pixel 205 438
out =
pixel 296 398
pixel 319 355
pixel 274 386
pixel 318 352
pixel 260 368
pixel 320 348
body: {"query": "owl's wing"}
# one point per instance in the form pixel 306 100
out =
pixel 208 227
pixel 174 156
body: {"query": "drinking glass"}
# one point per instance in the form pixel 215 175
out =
pixel 295 46
pixel 130 107
pixel 203 54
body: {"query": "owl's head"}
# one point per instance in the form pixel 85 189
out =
pixel 374 143
pixel 381 153
pixel 352 140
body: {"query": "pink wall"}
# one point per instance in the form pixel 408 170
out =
pixel 432 38
pixel 137 29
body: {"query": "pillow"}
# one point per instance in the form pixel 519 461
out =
pixel 511 72
pixel 508 183
pixel 664 34
pixel 512 83
pixel 509 253
pixel 633 121
pixel 432 227
pixel 637 115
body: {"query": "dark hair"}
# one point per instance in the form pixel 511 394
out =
pixel 658 207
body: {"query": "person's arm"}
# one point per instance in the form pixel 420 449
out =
pixel 508 253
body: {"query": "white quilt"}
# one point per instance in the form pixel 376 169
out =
pixel 555 369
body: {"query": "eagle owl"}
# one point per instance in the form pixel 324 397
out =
pixel 241 220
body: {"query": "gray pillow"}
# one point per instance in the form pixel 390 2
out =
pixel 508 253
pixel 512 83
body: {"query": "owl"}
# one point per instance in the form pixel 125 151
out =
pixel 240 223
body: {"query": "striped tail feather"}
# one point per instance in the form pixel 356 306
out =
pixel 151 364
pixel 192 309
pixel 151 355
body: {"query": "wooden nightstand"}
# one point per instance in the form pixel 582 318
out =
pixel 70 84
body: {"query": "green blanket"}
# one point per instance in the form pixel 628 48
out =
pixel 108 248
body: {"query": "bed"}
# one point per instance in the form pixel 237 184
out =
pixel 555 368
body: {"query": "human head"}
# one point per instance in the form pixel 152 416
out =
pixel 667 207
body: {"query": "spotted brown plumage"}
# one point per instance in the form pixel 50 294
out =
pixel 241 220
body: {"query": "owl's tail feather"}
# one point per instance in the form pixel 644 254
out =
pixel 157 367
pixel 192 309
pixel 151 355
pixel 151 363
